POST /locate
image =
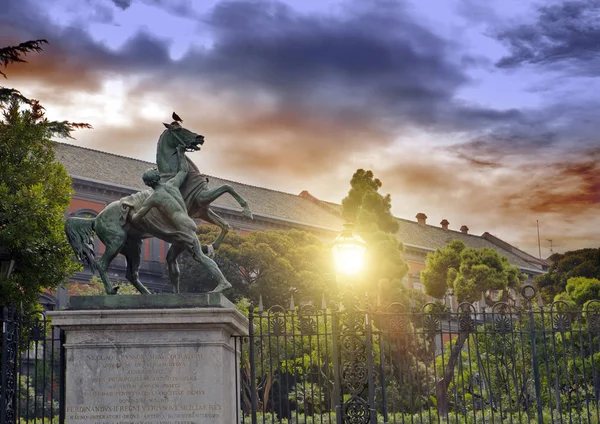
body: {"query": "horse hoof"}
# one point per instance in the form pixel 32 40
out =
pixel 114 290
pixel 247 213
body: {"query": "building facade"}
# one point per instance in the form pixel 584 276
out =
pixel 100 178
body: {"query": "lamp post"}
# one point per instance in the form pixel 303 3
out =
pixel 353 348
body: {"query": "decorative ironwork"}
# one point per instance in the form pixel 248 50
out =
pixel 503 324
pixel 337 382
pixel 37 327
pixel 528 292
pixel 466 324
pixel 396 319
pixel 561 316
pixel 592 313
pixel 432 324
pixel 356 411
pixel 277 325
pixel 308 325
pixel 10 348
pixel 561 322
pixel 594 323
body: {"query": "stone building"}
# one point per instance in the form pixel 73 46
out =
pixel 100 178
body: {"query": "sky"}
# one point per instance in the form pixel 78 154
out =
pixel 484 113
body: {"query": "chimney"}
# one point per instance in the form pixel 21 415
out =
pixel 444 224
pixel 464 229
pixel 421 218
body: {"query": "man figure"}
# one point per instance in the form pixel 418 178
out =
pixel 167 199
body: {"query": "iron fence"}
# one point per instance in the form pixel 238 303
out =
pixel 353 363
pixel 508 363
pixel 32 365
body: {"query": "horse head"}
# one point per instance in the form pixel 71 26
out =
pixel 182 136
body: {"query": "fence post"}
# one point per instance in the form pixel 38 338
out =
pixel 10 349
pixel 337 386
pixel 253 400
pixel 536 366
pixel 62 394
pixel 370 366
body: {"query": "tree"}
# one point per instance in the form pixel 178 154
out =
pixel 34 192
pixel 469 273
pixel 576 263
pixel 365 206
pixel 272 264
pixel 580 290
pixel 371 213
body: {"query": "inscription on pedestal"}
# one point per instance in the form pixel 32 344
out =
pixel 130 385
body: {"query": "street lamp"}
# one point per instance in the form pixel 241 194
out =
pixel 7 263
pixel 351 350
pixel 348 252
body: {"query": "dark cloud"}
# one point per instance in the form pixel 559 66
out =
pixel 122 4
pixel 374 59
pixel 565 33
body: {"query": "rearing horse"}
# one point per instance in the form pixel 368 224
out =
pixel 120 236
pixel 195 191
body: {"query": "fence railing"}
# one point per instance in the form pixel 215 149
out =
pixel 393 364
pixel 32 365
pixel 506 364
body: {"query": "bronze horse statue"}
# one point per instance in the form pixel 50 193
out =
pixel 119 235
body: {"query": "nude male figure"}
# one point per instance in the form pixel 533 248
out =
pixel 167 199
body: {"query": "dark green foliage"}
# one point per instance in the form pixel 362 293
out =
pixel 468 272
pixel 371 214
pixel 577 263
pixel 34 191
pixel 579 291
pixel 271 264
pixel 34 195
pixel 365 206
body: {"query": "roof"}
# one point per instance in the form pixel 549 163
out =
pixel 127 172
pixel 304 208
pixel 431 237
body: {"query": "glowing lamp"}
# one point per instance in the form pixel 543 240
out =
pixel 348 251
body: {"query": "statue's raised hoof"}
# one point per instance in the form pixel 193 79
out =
pixel 114 290
pixel 247 213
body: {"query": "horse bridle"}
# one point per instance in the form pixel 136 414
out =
pixel 183 143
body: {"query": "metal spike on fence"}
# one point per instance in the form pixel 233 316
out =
pixel 540 300
pixel 292 306
pixel 323 303
pixel 261 308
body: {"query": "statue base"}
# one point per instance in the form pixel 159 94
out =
pixel 151 359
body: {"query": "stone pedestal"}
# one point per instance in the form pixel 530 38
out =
pixel 131 360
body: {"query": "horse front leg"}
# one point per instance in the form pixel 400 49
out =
pixel 174 251
pixel 209 196
pixel 211 217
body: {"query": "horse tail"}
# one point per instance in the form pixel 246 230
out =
pixel 80 233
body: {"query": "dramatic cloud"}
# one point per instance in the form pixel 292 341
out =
pixel 293 100
pixel 566 34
